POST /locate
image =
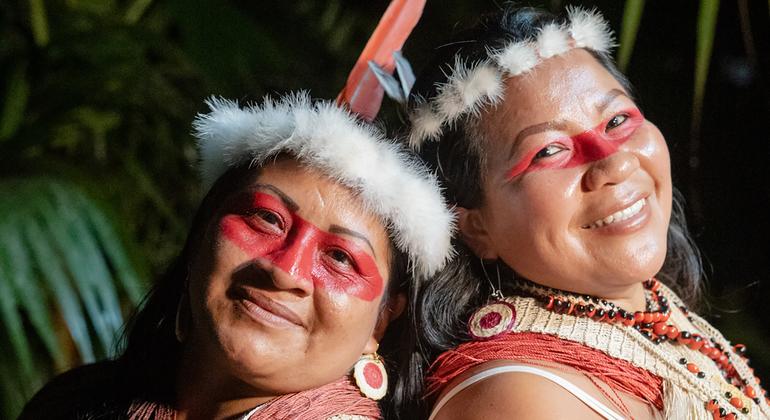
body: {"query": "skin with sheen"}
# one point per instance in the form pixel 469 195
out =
pixel 286 294
pixel 570 148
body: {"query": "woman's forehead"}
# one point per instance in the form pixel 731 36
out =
pixel 568 87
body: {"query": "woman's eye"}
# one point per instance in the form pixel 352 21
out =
pixel 548 151
pixel 340 256
pixel 269 217
pixel 616 121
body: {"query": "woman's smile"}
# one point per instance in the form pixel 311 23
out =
pixel 263 309
pixel 628 219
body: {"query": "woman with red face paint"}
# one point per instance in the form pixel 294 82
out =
pixel 314 231
pixel 301 254
pixel 570 296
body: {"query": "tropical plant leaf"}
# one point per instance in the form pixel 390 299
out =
pixel 59 258
pixel 14 326
pixel 707 22
pixel 17 93
pixel 81 257
pixel 136 10
pixel 632 15
pixel 38 22
pixel 14 261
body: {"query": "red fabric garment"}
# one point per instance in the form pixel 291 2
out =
pixel 619 375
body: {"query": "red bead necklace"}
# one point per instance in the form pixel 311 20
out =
pixel 652 324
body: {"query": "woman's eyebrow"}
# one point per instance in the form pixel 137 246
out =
pixel 287 201
pixel 534 129
pixel 605 101
pixel 353 233
pixel 608 98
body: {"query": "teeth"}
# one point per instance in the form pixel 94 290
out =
pixel 620 215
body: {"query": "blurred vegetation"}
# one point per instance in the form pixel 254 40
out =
pixel 97 167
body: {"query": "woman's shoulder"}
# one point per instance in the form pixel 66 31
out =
pixel 85 392
pixel 503 388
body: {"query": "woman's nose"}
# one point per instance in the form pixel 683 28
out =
pixel 611 170
pixel 293 265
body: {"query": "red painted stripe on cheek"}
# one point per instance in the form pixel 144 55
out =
pixel 303 252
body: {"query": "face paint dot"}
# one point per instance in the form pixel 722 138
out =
pixel 373 375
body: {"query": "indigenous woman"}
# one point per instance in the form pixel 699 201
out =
pixel 314 230
pixel 571 295
pixel 299 257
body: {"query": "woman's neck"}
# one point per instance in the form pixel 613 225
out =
pixel 204 391
pixel 631 298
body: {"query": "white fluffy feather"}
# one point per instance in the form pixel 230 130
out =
pixel 552 40
pixel 426 125
pixel 589 29
pixel 390 183
pixel 468 88
pixel 517 58
pixel 482 86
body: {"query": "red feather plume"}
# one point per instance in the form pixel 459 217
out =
pixel 362 93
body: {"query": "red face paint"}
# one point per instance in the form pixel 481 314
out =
pixel 263 227
pixel 588 146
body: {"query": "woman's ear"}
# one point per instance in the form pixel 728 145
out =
pixel 392 310
pixel 474 233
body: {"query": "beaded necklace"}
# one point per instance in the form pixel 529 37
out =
pixel 653 325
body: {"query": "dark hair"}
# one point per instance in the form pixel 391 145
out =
pixel 446 301
pixel 152 353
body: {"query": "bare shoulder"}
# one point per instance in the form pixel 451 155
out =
pixel 515 394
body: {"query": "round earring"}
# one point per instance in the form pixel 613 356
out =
pixel 496 317
pixel 371 377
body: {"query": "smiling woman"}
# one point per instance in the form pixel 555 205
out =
pixel 570 296
pixel 314 231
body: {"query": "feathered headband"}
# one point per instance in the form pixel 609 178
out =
pixel 471 87
pixel 392 184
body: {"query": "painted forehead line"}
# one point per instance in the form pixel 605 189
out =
pixel 353 233
pixel 605 101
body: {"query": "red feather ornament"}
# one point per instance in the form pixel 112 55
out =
pixel 363 93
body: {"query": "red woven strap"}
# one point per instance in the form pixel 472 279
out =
pixel 619 375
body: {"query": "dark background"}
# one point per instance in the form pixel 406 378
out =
pixel 110 94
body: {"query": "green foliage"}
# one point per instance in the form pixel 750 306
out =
pixel 632 15
pixel 60 262
pixel 707 22
pixel 704 35
pixel 97 167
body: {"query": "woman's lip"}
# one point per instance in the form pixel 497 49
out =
pixel 623 205
pixel 250 296
pixel 629 225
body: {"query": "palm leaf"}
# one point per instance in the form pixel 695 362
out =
pixel 15 104
pixel 707 22
pixel 632 15
pixel 60 258
pixel 39 22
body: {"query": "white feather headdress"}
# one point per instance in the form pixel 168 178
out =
pixel 470 87
pixel 390 182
